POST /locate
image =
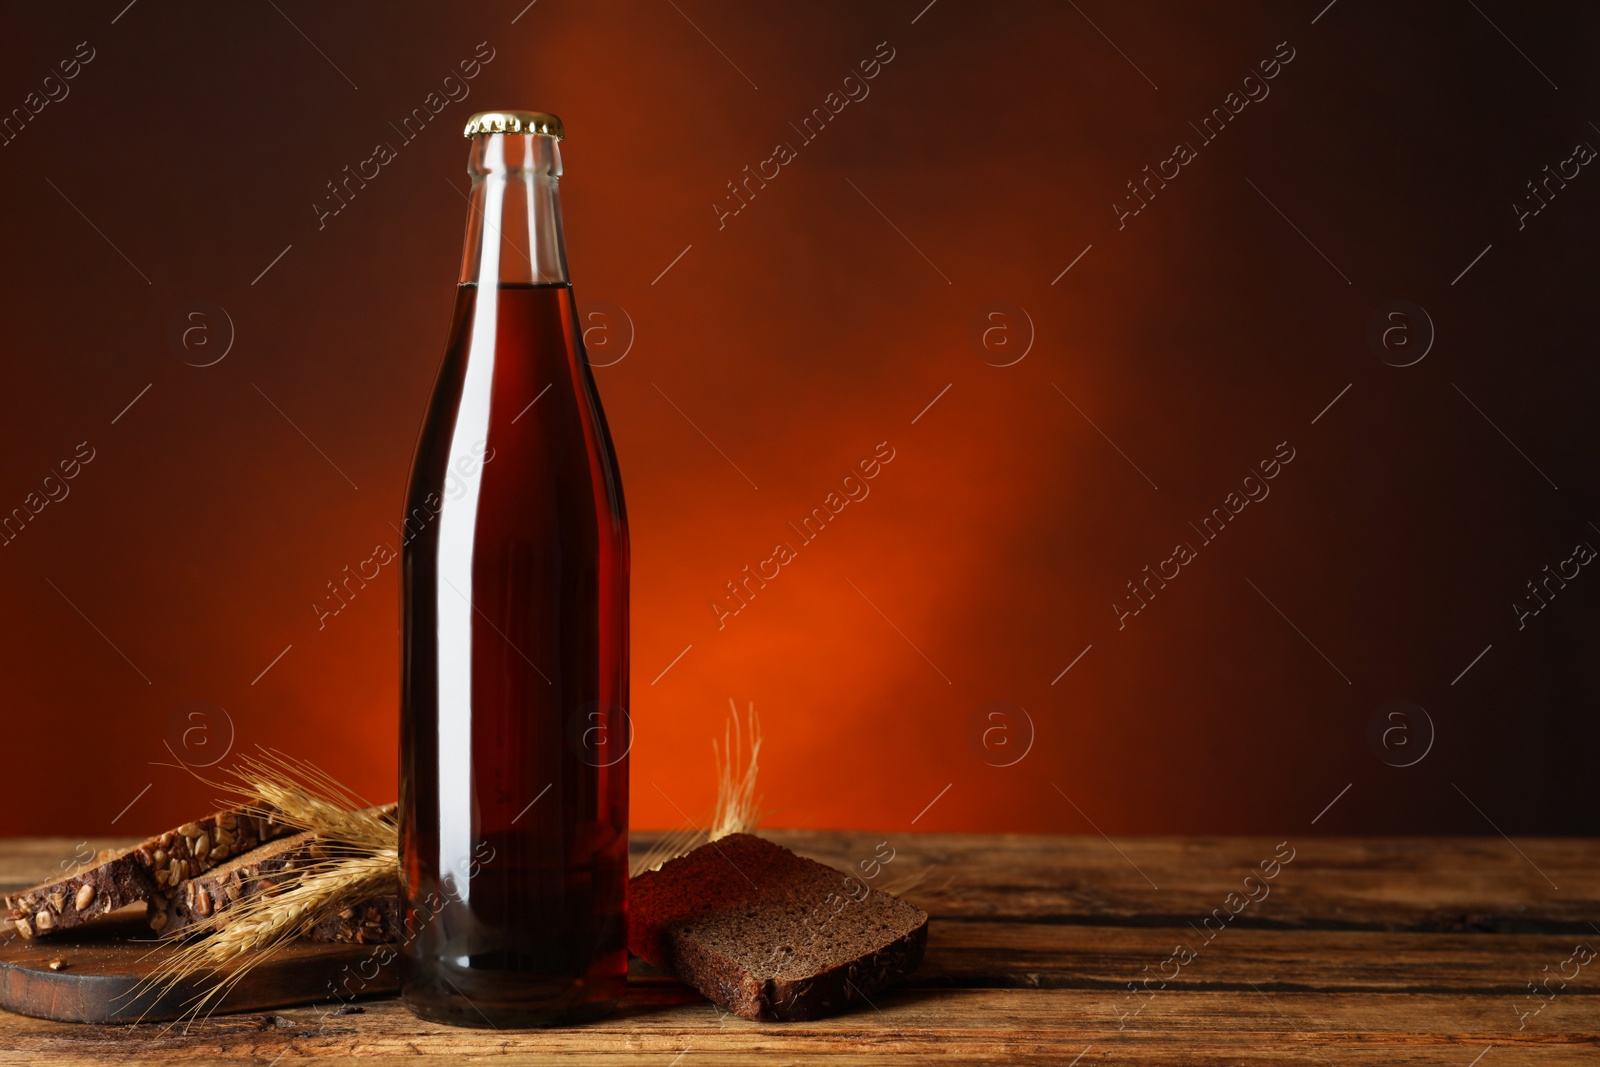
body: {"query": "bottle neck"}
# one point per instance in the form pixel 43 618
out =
pixel 514 228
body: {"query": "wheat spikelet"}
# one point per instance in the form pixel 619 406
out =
pixel 360 860
pixel 736 776
pixel 262 923
pixel 736 812
pixel 362 856
pixel 300 794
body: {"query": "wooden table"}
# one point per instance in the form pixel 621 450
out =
pixel 1351 952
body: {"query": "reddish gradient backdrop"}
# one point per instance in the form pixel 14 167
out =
pixel 771 350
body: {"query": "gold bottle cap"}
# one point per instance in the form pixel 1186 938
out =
pixel 533 122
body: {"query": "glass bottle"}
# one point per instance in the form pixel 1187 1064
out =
pixel 514 687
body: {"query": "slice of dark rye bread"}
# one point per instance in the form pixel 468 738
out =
pixel 771 935
pixel 147 872
pixel 372 922
pixel 263 870
pixel 259 870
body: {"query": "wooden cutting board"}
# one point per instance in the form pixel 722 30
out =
pixel 103 966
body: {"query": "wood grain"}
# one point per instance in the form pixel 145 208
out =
pixel 1380 951
pixel 105 969
pixel 966 1025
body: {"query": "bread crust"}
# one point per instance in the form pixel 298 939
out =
pixel 259 870
pixel 148 872
pixel 771 935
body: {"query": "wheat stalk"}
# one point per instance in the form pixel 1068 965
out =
pixel 675 844
pixel 360 860
pixel 261 924
pixel 262 921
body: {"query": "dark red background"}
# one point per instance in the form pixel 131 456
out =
pixel 797 338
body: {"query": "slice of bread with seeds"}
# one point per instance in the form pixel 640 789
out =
pixel 148 873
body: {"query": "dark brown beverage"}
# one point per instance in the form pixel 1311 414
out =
pixel 514 783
